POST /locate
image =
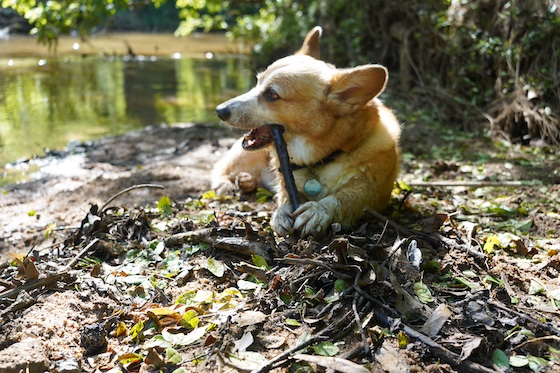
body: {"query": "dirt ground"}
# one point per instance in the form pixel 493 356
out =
pixel 463 277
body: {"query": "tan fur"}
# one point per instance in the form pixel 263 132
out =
pixel 322 109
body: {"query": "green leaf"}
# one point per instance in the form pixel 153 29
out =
pixel 523 225
pixel 259 261
pixel 340 285
pixel 518 361
pixel 292 322
pixel 172 356
pixel 190 319
pixel 325 349
pixel 500 359
pixel 489 278
pixel 423 292
pixel 187 298
pixel 164 206
pixel 264 195
pixel 466 282
pixel 286 298
pixel 216 267
pixel 536 363
pixel 136 331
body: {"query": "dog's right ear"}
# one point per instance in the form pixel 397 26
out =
pixel 311 43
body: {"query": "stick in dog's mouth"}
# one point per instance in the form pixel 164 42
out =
pixel 264 135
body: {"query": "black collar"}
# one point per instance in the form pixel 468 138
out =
pixel 328 159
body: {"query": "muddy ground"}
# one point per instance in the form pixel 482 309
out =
pixel 459 275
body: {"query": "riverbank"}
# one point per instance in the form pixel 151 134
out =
pixel 67 182
pixel 123 44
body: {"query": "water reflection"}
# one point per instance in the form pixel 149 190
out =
pixel 46 104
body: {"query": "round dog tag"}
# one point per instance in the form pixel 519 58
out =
pixel 312 188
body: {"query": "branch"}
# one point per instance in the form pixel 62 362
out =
pixel 124 191
pixel 33 285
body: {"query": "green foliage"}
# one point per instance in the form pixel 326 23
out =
pixel 53 18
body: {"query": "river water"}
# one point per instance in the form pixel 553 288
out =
pixel 47 100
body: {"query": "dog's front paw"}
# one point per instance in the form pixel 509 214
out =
pixel 282 221
pixel 246 182
pixel 223 187
pixel 315 217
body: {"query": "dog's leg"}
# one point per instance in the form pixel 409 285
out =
pixel 241 170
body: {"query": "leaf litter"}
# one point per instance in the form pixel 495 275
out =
pixel 451 278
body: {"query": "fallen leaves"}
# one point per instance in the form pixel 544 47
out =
pixel 200 286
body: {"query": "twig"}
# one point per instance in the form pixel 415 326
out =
pixel 446 355
pixel 359 324
pixel 503 307
pixel 88 247
pixel 124 191
pixel 272 363
pixel 547 337
pixel 449 242
pixel 210 236
pixel 33 285
pixel 313 262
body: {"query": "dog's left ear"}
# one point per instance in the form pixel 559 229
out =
pixel 311 44
pixel 353 88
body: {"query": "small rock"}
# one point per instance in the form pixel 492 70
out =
pixel 28 355
pixel 94 339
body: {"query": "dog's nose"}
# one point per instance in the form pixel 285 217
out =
pixel 223 112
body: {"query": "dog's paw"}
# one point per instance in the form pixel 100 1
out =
pixel 223 187
pixel 313 217
pixel 282 221
pixel 246 182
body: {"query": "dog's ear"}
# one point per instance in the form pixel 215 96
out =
pixel 311 43
pixel 353 88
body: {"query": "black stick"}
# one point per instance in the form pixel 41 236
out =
pixel 284 158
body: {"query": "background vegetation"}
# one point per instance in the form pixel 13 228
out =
pixel 492 62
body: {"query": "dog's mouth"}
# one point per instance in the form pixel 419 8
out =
pixel 257 138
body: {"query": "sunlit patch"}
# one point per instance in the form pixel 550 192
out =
pixel 76 46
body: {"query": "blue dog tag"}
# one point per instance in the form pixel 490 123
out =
pixel 312 188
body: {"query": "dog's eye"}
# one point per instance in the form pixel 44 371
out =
pixel 271 95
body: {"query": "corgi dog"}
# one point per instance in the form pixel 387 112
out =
pixel 341 140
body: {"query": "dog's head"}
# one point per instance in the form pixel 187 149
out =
pixel 305 95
